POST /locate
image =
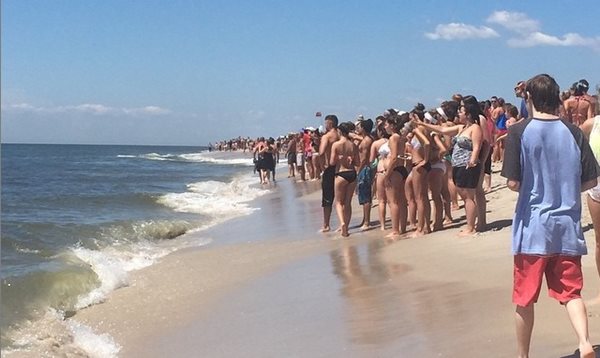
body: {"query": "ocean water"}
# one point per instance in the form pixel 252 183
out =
pixel 77 218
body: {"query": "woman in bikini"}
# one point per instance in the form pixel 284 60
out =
pixel 466 164
pixel 395 174
pixel 435 179
pixel 450 114
pixel 379 153
pixel 448 190
pixel 344 155
pixel 578 107
pixel 420 153
pixel 409 191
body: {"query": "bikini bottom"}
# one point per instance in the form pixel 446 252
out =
pixel 402 171
pixel 348 175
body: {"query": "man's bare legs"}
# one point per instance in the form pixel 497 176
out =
pixel 578 316
pixel 366 223
pixel 524 324
pixel 326 218
pixel 524 319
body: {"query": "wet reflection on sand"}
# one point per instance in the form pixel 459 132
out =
pixel 391 307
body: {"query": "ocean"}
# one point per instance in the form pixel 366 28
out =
pixel 77 218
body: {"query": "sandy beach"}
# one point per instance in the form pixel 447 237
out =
pixel 270 285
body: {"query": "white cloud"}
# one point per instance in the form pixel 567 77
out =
pixel 541 39
pixel 529 34
pixel 89 108
pixel 514 21
pixel 460 31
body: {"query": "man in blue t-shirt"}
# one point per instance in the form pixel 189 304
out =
pixel 520 92
pixel 549 162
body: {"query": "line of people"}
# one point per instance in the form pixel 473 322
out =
pixel 417 164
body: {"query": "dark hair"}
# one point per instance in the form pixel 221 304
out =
pixel 381 132
pixel 419 111
pixel 451 109
pixel 457 97
pixel 394 121
pixel 544 93
pixel 389 112
pixel 403 119
pixel 512 110
pixel 345 128
pixel 581 87
pixel 367 125
pixel 333 118
pixel 472 108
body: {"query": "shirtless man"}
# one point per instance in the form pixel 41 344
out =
pixel 327 180
pixel 365 173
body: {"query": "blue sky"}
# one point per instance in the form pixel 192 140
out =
pixel 191 72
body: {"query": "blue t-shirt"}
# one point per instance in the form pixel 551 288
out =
pixel 523 110
pixel 550 159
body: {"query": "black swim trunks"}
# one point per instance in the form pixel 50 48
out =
pixel 327 183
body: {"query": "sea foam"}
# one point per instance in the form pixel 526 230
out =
pixel 202 157
pixel 219 201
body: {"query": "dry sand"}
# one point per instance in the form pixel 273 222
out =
pixel 271 286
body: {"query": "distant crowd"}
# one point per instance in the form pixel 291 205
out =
pixel 417 164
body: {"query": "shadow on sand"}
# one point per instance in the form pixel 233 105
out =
pixel 576 353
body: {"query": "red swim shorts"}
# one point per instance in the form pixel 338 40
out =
pixel 563 276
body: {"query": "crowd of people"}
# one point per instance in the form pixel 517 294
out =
pixel 417 164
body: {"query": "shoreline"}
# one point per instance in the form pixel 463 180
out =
pixel 271 285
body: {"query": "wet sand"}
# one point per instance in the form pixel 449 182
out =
pixel 270 285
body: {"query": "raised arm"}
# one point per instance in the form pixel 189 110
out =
pixel 450 131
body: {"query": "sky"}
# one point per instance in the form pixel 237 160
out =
pixel 192 72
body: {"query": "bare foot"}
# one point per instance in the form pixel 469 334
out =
pixel 448 221
pixel 344 230
pixel 325 229
pixel 438 227
pixel 339 229
pixel 466 232
pixel 418 234
pixel 393 235
pixel 455 206
pixel 382 228
pixel 481 228
pixel 586 351
pixel 365 227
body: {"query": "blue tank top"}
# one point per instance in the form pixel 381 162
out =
pixel 501 122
